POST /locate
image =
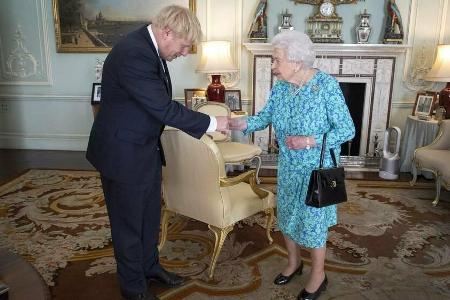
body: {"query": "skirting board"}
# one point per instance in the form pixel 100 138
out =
pixel 66 142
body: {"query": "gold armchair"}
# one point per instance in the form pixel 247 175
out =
pixel 435 158
pixel 232 152
pixel 195 185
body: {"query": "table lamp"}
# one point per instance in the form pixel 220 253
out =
pixel 216 59
pixel 440 71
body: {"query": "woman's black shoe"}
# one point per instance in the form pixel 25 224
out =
pixel 304 295
pixel 281 279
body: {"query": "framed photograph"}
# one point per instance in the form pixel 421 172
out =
pixel 199 94
pixel 197 100
pixel 96 26
pixel 233 99
pixel 424 104
pixel 96 93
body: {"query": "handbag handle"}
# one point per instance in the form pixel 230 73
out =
pixel 322 152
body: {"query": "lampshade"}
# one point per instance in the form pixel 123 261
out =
pixel 441 67
pixel 440 71
pixel 216 58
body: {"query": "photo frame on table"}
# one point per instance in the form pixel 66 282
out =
pixel 96 93
pixel 96 26
pixel 233 99
pixel 424 104
pixel 199 94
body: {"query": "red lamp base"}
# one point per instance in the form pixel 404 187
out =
pixel 444 100
pixel 216 90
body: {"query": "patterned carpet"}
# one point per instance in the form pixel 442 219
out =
pixel 390 243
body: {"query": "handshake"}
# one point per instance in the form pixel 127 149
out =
pixel 227 123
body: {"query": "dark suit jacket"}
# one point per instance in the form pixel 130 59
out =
pixel 136 103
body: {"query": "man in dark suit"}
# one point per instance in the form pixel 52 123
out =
pixel 124 145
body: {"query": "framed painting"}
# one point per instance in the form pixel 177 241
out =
pixel 233 99
pixel 424 104
pixel 97 25
pixel 96 93
pixel 196 95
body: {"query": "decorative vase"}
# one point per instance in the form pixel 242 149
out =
pixel 444 100
pixel 364 29
pixel 285 22
pixel 440 113
pixel 216 90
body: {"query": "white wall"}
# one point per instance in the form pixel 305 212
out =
pixel 51 110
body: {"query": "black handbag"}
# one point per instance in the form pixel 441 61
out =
pixel 326 185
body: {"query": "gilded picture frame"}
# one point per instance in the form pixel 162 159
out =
pixel 96 25
pixel 197 93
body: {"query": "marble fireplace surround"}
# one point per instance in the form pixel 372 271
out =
pixel 372 64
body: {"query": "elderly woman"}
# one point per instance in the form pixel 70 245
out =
pixel 304 104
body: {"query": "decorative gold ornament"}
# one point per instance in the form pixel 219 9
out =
pixel 325 25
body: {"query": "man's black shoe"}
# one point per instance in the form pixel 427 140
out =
pixel 167 278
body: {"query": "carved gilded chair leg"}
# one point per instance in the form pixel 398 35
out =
pixel 270 215
pixel 414 170
pixel 438 190
pixel 258 167
pixel 220 236
pixel 164 225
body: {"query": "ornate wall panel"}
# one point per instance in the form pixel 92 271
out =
pixel 24 46
pixel 423 40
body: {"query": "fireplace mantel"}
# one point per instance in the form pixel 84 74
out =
pixel 338 49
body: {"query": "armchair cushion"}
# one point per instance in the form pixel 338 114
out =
pixel 243 203
pixel 232 152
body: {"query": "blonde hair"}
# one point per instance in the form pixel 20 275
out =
pixel 181 21
pixel 297 46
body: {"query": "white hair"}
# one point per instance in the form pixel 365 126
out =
pixel 297 46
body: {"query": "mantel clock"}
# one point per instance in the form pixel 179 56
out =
pixel 325 25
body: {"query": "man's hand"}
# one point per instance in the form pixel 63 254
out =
pixel 222 123
pixel 238 124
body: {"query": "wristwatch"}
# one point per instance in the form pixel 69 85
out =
pixel 307 144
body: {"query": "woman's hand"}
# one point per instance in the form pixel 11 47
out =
pixel 238 124
pixel 297 142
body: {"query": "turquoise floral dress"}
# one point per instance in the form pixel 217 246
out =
pixel 316 108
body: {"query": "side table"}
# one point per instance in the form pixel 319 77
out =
pixel 418 133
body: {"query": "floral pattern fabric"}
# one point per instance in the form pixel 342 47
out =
pixel 316 108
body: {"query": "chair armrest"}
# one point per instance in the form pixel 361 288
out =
pixel 248 177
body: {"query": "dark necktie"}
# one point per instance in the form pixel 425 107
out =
pixel 164 72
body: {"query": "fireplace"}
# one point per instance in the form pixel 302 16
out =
pixel 365 73
pixel 354 94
